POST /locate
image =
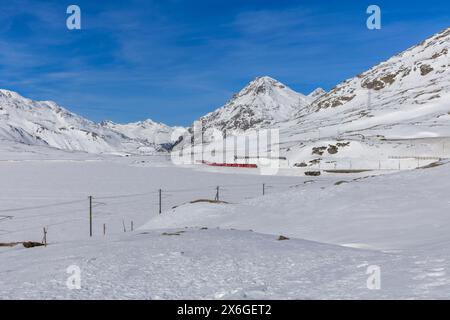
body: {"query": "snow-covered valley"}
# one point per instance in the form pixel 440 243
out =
pixel 337 224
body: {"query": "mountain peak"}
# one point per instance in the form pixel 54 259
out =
pixel 262 85
pixel 149 122
pixel 4 93
pixel 264 80
pixel 317 93
pixel 262 102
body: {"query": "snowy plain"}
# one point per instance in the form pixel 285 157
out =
pixel 337 224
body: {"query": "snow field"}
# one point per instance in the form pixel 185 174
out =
pixel 338 225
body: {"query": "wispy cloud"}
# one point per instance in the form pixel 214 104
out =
pixel 174 60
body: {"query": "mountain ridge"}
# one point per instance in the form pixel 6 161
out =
pixel 402 97
pixel 417 76
pixel 46 123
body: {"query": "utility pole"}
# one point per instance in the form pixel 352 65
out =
pixel 90 216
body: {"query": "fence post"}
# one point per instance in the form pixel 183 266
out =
pixel 44 240
pixel 90 216
pixel 264 189
pixel 132 226
pixel 217 193
pixel 124 228
pixel 160 191
pixel 104 229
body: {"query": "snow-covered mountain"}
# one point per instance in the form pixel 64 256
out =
pixel 399 108
pixel 45 123
pixel 147 132
pixel 262 103
pixel 405 97
pixel 402 97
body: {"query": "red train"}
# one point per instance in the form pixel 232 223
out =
pixel 235 165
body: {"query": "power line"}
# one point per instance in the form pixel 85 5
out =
pixel 42 215
pixel 165 195
pixel 42 206
pixel 39 227
pixel 126 195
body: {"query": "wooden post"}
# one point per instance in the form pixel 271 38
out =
pixel 160 205
pixel 104 229
pixel 202 146
pixel 264 189
pixel 90 216
pixel 44 240
pixel 132 226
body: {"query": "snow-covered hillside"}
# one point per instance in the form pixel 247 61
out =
pixel 316 94
pixel 397 108
pixel 338 225
pixel 384 212
pixel 405 97
pixel 45 123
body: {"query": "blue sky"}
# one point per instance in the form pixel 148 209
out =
pixel 175 60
